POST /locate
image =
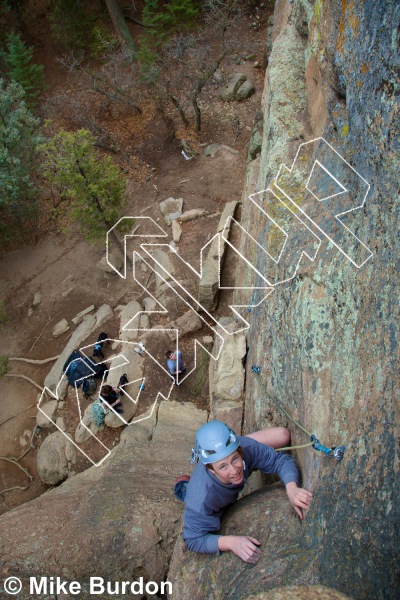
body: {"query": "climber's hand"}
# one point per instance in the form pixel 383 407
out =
pixel 244 546
pixel 299 498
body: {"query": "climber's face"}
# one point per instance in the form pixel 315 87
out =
pixel 230 469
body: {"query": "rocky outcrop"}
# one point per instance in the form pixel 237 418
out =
pixel 119 520
pixel 265 515
pixel 56 458
pixel 187 323
pixel 326 340
pixel 226 377
pixel 209 282
pixel 300 592
pixel 45 420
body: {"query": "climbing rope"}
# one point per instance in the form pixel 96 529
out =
pixel 336 452
pixel 98 413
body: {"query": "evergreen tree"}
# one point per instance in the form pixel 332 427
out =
pixel 175 16
pixel 70 25
pixel 180 13
pixel 23 70
pixel 18 138
pixel 90 185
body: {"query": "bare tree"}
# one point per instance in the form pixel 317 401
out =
pixel 189 63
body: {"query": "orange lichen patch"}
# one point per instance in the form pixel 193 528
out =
pixel 359 83
pixel 349 10
pixel 364 68
pixel 340 40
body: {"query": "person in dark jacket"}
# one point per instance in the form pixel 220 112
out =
pixel 225 463
pixel 111 396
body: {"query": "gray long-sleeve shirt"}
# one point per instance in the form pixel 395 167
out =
pixel 207 497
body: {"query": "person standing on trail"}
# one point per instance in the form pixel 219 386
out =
pixel 226 460
pixel 175 363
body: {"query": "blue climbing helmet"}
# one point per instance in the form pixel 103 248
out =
pixel 214 441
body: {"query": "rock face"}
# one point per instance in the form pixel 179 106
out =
pixel 265 515
pixel 119 520
pixel 300 592
pixel 227 379
pixel 327 340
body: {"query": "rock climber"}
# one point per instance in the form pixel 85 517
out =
pixel 175 363
pixel 226 460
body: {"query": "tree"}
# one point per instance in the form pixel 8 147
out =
pixel 121 27
pixel 23 70
pixel 18 138
pixel 188 65
pixel 90 186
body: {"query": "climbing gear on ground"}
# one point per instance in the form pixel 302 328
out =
pixel 89 386
pixel 140 349
pixel 98 413
pixel 255 369
pixel 141 387
pixel 214 441
pixel 336 452
pixel 180 486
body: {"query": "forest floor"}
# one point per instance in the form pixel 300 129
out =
pixel 62 266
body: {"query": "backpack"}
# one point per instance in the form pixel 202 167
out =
pixel 77 367
pixel 89 386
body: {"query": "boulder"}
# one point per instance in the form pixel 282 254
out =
pixel 60 328
pixel 130 317
pixel 103 314
pixel 265 515
pixel 189 215
pixel 115 259
pixel 37 298
pixel 60 423
pixel 176 231
pixel 246 90
pixel 212 149
pixel 56 458
pixel 229 92
pixel 187 323
pixel 50 408
pixel 171 209
pixel 79 317
pixel 150 305
pixel 163 268
pixel 209 282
